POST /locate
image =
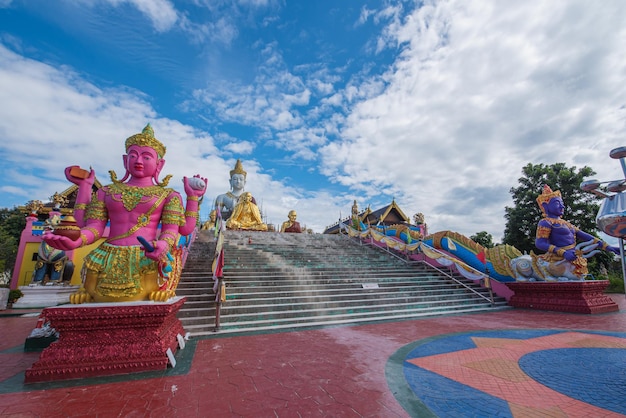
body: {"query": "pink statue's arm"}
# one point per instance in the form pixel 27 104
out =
pixel 89 234
pixel 84 182
pixel 60 242
pixel 193 192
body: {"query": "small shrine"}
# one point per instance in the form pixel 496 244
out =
pixel 45 275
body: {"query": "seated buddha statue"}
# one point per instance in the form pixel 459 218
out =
pixel 291 225
pixel 226 202
pixel 246 215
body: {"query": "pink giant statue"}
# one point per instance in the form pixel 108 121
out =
pixel 120 269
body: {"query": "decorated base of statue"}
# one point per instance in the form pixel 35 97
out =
pixel 44 296
pixel 101 339
pixel 577 297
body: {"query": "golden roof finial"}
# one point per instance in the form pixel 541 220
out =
pixel 238 169
pixel 34 206
pixel 146 139
pixel 59 200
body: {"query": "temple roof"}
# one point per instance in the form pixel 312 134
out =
pixel 387 215
pixel 69 197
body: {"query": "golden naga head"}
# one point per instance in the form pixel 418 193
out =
pixel 146 139
pixel 238 169
pixel 546 195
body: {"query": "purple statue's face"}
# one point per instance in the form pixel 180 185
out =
pixel 555 207
pixel 142 161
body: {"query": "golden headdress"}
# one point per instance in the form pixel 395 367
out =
pixel 238 169
pixel 546 195
pixel 146 139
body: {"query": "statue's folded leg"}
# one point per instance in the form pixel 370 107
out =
pixel 161 295
pixel 84 294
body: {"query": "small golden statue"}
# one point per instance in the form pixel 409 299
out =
pixel 291 225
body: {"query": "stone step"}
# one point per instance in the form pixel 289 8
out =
pixel 295 306
pixel 207 326
pixel 301 280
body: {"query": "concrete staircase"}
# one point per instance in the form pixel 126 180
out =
pixel 284 281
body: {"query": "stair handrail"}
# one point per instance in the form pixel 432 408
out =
pixel 482 276
pixel 450 276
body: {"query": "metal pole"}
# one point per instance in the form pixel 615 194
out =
pixel 218 303
pixel 621 254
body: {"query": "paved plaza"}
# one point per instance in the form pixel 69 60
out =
pixel 513 363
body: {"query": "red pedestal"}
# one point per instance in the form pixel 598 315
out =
pixel 101 339
pixel 578 297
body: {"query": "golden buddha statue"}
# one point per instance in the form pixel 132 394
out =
pixel 246 215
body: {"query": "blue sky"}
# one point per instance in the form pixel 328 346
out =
pixel 436 104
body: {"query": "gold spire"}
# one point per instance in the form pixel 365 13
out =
pixel 238 169
pixel 146 139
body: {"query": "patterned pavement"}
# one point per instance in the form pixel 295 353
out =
pixel 516 363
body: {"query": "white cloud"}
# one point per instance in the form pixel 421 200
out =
pixel 240 147
pixel 475 91
pixel 478 90
pixel 50 118
pixel 161 13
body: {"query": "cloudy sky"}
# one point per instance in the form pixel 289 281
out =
pixel 438 104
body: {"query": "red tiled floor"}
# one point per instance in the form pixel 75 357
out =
pixel 326 372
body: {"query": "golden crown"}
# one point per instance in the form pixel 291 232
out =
pixel 238 169
pixel 546 195
pixel 146 139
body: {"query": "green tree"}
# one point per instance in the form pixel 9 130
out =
pixel 483 238
pixel 12 223
pixel 521 219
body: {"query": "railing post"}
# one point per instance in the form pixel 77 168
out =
pixel 219 298
pixel 487 283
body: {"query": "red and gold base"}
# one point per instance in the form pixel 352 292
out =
pixel 101 339
pixel 578 297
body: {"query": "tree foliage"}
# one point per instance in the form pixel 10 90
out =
pixel 521 219
pixel 12 223
pixel 483 238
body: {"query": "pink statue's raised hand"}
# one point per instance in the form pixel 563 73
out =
pixel 159 250
pixel 195 186
pixel 60 242
pixel 78 176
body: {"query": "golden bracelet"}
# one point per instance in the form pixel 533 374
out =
pixel 560 252
pixel 192 198
pixel 83 239
pixel 170 233
pixel 170 241
pixel 94 231
pixel 190 214
pixel 80 206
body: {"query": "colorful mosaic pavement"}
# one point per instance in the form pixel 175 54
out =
pixel 510 373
